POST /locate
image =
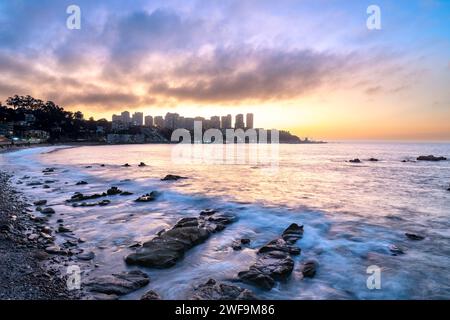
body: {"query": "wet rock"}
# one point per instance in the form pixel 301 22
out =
pixel 40 202
pixel 395 250
pixel 142 164
pixel 208 212
pixel 355 161
pixel 62 229
pixel 147 197
pixel 53 249
pixel 86 256
pixel 35 183
pixel 46 186
pixel 48 170
pixel 373 159
pixel 118 284
pixel 168 247
pixel 172 177
pixel 48 211
pixel 430 158
pixel 413 236
pixel 38 209
pixel 309 268
pixel 113 191
pixel 33 237
pixel 151 295
pixel 215 290
pixel 126 193
pixel 245 241
pixel 81 197
pixel 274 261
pixel 126 165
pixel 236 246
pixel 80 183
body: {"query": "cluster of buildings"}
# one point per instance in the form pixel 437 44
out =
pixel 174 121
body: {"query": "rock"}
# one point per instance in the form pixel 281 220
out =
pixel 38 209
pixel 86 256
pixel 413 236
pixel 48 211
pixel 126 165
pixel 236 246
pixel 34 183
pixel 118 284
pixel 88 167
pixel 102 165
pixel 62 229
pixel 142 164
pixel 113 191
pixel 309 268
pixel 430 158
pixel 208 212
pixel 33 237
pixel 373 159
pixel 245 241
pixel 126 193
pixel 395 250
pixel 172 177
pixel 215 290
pixel 47 170
pixel 274 261
pixel 53 249
pixel 147 197
pixel 80 183
pixel 80 197
pixel 46 186
pixel 355 161
pixel 40 202
pixel 168 247
pixel 151 295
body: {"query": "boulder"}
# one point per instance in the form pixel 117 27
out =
pixel 126 165
pixel 395 250
pixel 147 197
pixel 142 164
pixel 373 159
pixel 274 261
pixel 413 236
pixel 309 268
pixel 172 177
pixel 40 202
pixel 48 211
pixel 113 191
pixel 86 256
pixel 80 183
pixel 151 295
pixel 355 161
pixel 169 246
pixel 215 290
pixel 430 158
pixel 118 284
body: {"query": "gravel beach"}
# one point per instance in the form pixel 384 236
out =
pixel 23 275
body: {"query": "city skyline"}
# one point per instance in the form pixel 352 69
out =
pixel 177 121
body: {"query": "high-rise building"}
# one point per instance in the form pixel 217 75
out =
pixel 189 123
pixel 159 122
pixel 226 122
pixel 116 118
pixel 239 122
pixel 170 120
pixel 215 122
pixel 137 119
pixel 249 121
pixel 125 117
pixel 148 121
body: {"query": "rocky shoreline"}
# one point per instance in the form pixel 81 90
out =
pixel 25 275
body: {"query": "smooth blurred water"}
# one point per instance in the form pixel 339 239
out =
pixel 352 212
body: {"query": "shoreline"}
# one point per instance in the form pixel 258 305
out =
pixel 25 274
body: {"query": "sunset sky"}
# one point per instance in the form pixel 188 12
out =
pixel 311 67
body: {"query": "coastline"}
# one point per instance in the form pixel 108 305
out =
pixel 23 268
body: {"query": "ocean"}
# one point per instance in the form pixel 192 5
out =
pixel 352 213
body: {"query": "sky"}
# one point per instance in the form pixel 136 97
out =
pixel 308 66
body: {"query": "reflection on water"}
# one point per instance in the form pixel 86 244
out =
pixel 351 212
